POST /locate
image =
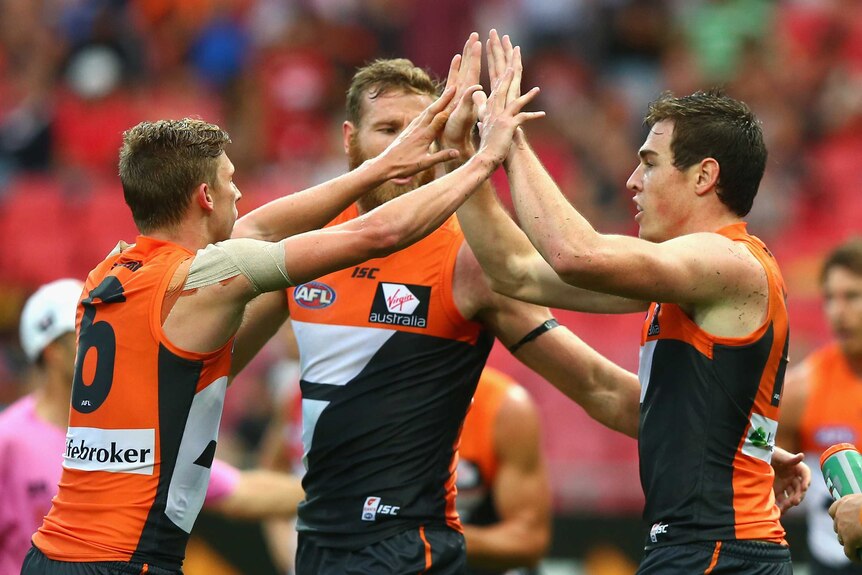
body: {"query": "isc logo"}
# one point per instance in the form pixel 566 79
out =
pixel 373 508
pixel 656 530
pixel 314 295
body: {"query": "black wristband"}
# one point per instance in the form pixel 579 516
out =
pixel 548 325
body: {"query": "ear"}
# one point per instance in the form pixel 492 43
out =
pixel 707 176
pixel 347 129
pixel 203 198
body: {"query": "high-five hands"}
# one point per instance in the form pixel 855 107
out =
pixel 501 114
pixel 463 76
pixel 411 152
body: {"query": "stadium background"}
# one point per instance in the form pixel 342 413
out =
pixel 75 73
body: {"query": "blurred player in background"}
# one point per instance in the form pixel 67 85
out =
pixel 504 496
pixel 33 436
pixel 822 404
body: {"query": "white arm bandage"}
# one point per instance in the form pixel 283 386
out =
pixel 262 263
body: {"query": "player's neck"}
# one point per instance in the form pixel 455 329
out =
pixel 187 236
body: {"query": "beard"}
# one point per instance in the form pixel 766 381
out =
pixel 387 190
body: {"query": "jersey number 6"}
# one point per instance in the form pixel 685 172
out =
pixel 87 398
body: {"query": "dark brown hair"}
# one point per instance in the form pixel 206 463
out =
pixel 848 255
pixel 711 124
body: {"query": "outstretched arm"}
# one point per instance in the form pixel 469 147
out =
pixel 701 268
pixel 240 269
pixel 607 392
pixel 510 261
pixel 404 220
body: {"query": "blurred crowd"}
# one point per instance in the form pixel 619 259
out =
pixel 75 73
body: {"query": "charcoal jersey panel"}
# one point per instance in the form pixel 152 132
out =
pixel 388 369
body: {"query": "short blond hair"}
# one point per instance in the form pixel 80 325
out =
pixel 162 162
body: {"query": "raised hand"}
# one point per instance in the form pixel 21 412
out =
pixel 502 55
pixel 463 75
pixel 411 151
pixel 501 115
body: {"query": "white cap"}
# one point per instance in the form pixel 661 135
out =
pixel 48 314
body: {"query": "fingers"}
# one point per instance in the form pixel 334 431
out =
pixel 454 67
pixel 496 58
pixel 434 116
pixel 506 44
pixel 438 122
pixel 479 100
pixel 522 101
pixel 518 68
pixel 471 61
pixel 435 158
pixel 795 459
pixel 472 66
pixel 440 103
pixel 833 509
pixel 470 94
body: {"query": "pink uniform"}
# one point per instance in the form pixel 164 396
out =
pixel 31 458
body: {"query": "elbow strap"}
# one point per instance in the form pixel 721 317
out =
pixel 262 263
pixel 546 326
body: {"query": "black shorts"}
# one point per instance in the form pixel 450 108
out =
pixel 35 563
pixel 746 557
pixel 438 551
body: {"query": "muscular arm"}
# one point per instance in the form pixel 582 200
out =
pixel 699 269
pixel 521 492
pixel 263 317
pixel 512 264
pixel 693 269
pixel 607 392
pixel 206 319
pixel 514 267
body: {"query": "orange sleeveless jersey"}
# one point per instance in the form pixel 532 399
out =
pixel 833 409
pixel 477 437
pixel 478 463
pixel 832 414
pixel 388 368
pixel 709 413
pixel 143 424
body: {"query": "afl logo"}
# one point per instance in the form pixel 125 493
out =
pixel 314 295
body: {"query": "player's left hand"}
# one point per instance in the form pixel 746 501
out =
pixel 792 478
